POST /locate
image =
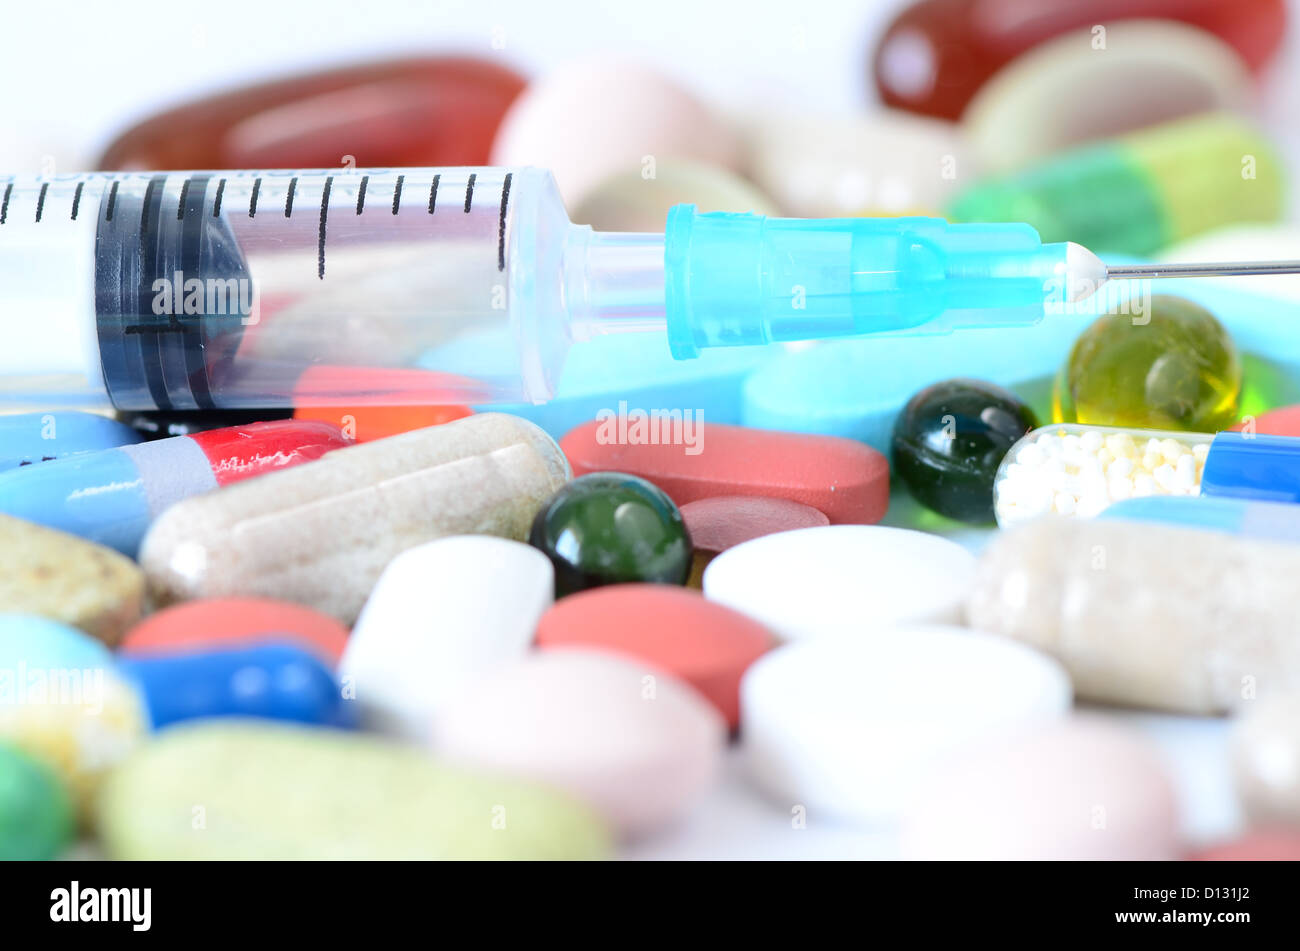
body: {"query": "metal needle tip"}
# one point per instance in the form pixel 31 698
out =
pixel 1218 269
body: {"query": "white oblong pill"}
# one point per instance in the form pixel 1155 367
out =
pixel 852 726
pixel 443 614
pixel 842 579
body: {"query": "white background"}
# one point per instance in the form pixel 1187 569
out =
pixel 75 72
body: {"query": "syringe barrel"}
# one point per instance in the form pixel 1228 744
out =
pixel 739 279
pixel 194 290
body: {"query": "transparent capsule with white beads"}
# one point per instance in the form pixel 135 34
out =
pixel 1074 469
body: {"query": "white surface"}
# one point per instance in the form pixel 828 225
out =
pixel 842 579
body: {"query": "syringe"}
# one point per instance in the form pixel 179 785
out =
pixel 194 290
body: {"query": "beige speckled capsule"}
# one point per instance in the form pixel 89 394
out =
pixel 322 533
pixel 1147 615
pixel 60 576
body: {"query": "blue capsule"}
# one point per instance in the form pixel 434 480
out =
pixel 28 438
pixel 274 681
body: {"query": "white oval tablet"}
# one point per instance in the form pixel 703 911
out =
pixel 888 162
pixel 593 118
pixel 1076 790
pixel 442 614
pixel 1069 90
pixel 635 743
pixel 851 727
pixel 838 579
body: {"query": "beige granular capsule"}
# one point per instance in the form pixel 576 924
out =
pixel 322 533
pixel 59 576
pixel 1147 615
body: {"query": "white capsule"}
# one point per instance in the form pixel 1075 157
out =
pixel 1091 441
pixel 1121 468
pixel 1143 484
pixel 1201 450
pixel 1185 472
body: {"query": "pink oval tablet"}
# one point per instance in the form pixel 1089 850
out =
pixel 847 480
pixel 219 622
pixel 1078 790
pixel 1283 421
pixel 629 739
pixel 725 521
pixel 1279 845
pixel 705 644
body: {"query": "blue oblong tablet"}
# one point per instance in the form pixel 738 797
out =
pixel 29 438
pixel 274 681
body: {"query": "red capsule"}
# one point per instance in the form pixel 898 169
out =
pixel 936 54
pixel 441 110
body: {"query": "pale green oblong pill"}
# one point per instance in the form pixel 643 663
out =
pixel 243 790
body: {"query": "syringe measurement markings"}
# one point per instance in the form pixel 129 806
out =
pixel 76 199
pixel 397 193
pixel 144 211
pixel 4 205
pixel 216 202
pixel 252 201
pixel 469 192
pixel 180 202
pixel 40 201
pixel 501 222
pixel 361 193
pixel 320 240
pixel 288 199
pixel 112 201
pixel 433 194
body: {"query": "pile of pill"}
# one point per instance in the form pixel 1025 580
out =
pixel 906 591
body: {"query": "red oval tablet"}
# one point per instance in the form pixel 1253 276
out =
pixel 217 622
pixel 1283 421
pixel 706 644
pixel 725 521
pixel 847 480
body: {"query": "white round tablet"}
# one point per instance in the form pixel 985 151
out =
pixel 838 579
pixel 1078 789
pixel 852 726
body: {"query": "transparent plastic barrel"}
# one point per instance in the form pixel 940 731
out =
pixel 1078 470
pixel 192 290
